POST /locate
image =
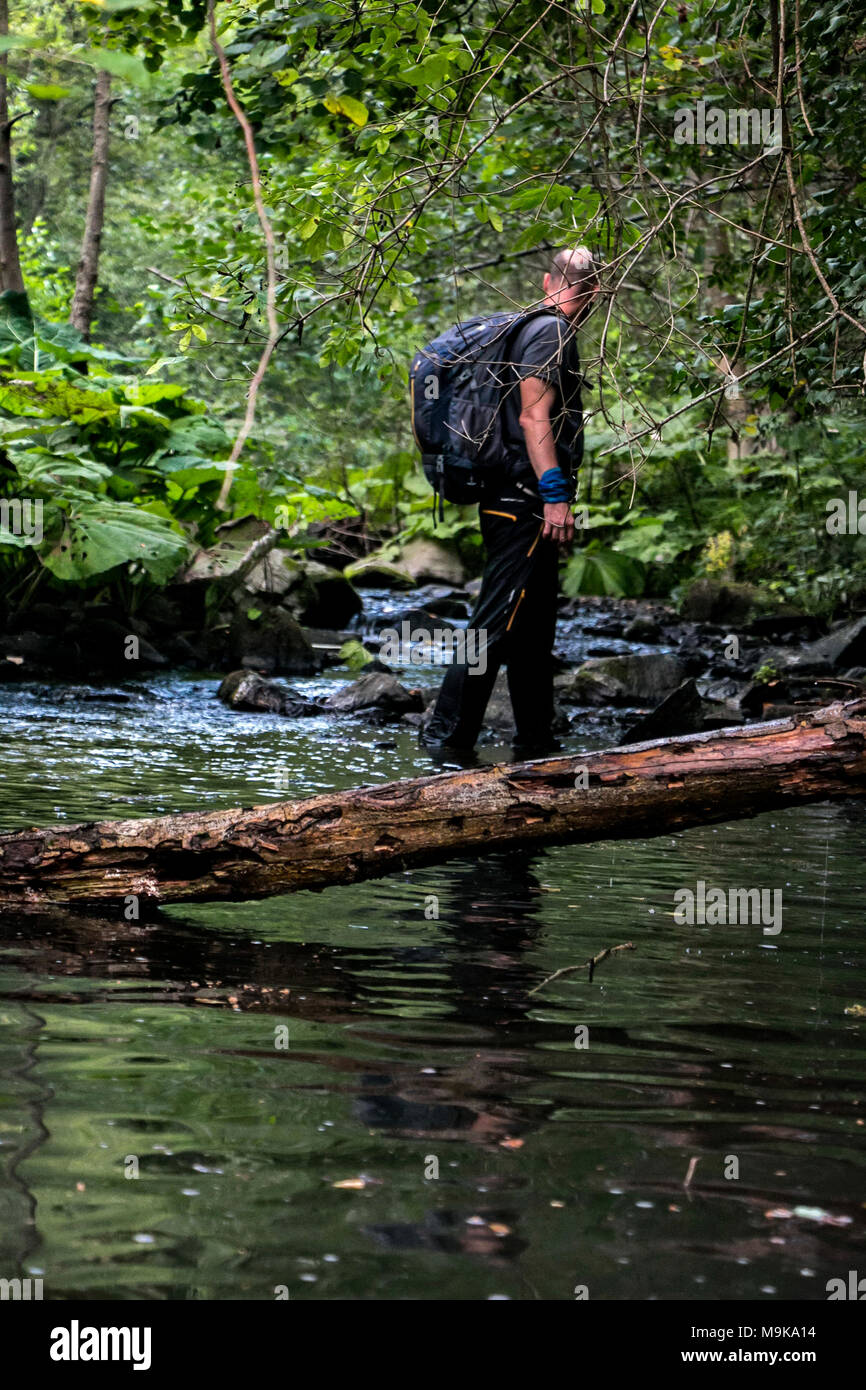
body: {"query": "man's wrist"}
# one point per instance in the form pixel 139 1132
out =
pixel 553 486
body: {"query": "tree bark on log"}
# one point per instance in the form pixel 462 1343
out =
pixel 640 790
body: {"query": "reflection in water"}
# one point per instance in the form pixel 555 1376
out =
pixel 24 1096
pixel 431 1128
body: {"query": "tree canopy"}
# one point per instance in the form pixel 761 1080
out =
pixel 298 194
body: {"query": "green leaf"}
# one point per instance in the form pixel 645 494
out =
pixel 161 362
pixel 603 572
pixel 47 91
pixel 344 105
pixel 39 393
pixel 354 655
pixel 52 472
pixel 98 534
pixel 529 197
pixel 8 41
pixel 124 65
pixel 199 434
pixel 28 341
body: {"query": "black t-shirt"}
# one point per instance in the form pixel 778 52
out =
pixel 545 347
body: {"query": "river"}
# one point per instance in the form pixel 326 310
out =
pixel 356 1094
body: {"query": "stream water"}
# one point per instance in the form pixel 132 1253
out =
pixel 356 1094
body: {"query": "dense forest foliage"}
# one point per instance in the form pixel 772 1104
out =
pixel 225 227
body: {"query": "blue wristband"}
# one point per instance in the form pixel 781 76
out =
pixel 553 486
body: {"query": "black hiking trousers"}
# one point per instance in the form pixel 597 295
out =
pixel 515 622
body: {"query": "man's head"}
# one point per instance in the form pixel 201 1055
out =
pixel 572 281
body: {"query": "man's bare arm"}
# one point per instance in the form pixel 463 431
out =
pixel 536 401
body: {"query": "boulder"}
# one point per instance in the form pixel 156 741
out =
pixel 693 652
pixel 232 541
pixel 15 668
pixel 89 694
pixel 725 689
pixel 319 596
pixel 683 712
pixel 607 649
pixel 343 540
pixel 101 644
pixel 427 619
pixel 643 628
pixel 843 647
pixel 275 573
pixel 245 690
pixel 788 625
pixel 271 642
pixel 315 594
pixel 91 645
pixel 499 716
pixel 623 680
pixel 378 692
pixel 449 603
pixel 721 601
pixel 431 562
pixel 40 617
pixel 181 651
pixel 374 573
pixel 32 649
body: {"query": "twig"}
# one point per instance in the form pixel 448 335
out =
pixel 218 298
pixel 587 964
pixel 268 232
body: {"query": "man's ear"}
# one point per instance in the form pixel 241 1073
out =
pixel 545 284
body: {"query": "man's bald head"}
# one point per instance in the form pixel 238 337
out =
pixel 572 280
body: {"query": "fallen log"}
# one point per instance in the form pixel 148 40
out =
pixel 641 790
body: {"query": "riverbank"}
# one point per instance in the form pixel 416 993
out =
pixel 719 660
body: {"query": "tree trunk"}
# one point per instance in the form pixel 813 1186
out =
pixel 645 789
pixel 10 266
pixel 88 265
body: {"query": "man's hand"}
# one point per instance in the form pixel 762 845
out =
pixel 558 523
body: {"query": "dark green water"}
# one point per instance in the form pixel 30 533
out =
pixel 414 1042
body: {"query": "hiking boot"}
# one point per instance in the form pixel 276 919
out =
pixel 525 752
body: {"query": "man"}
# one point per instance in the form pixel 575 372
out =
pixel 525 519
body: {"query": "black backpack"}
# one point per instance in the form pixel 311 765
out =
pixel 456 386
